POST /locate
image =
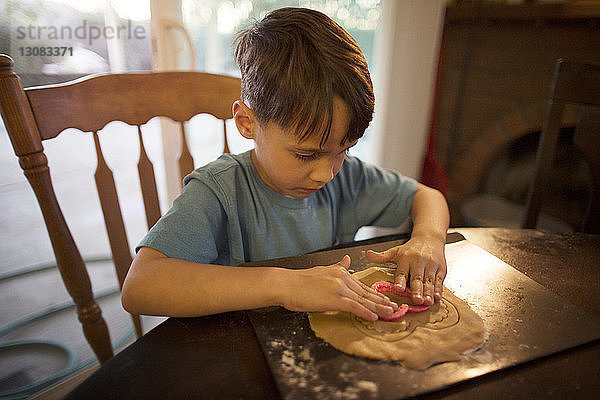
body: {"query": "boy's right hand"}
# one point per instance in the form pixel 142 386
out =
pixel 333 288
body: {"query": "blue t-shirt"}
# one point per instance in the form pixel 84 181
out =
pixel 226 214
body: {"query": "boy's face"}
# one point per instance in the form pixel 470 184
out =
pixel 298 169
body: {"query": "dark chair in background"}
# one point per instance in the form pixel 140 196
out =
pixel 36 114
pixel 573 83
pixel 548 179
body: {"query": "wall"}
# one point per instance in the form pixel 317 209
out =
pixel 406 62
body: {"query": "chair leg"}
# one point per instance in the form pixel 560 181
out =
pixel 545 156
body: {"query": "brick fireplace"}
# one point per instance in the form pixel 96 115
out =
pixel 495 73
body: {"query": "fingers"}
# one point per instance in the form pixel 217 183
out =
pixel 344 292
pixel 416 283
pixel 345 262
pixel 435 273
pixel 365 308
pixel 358 309
pixel 438 287
pixel 410 271
pixel 362 300
pixel 428 288
pixel 363 291
pixel 420 266
pixel 401 277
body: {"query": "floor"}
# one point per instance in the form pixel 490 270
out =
pixel 41 341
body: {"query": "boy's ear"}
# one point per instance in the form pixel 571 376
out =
pixel 244 119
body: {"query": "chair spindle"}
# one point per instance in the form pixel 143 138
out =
pixel 226 146
pixel 148 184
pixel 186 161
pixel 113 220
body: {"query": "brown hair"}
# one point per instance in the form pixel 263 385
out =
pixel 293 62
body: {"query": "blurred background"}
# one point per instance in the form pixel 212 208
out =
pixel 461 88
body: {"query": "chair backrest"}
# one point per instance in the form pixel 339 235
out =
pixel 36 114
pixel 573 83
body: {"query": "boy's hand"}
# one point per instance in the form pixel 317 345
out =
pixel 333 288
pixel 422 261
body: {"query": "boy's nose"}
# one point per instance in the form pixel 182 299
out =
pixel 324 171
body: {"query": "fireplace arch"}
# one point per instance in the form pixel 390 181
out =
pixel 492 176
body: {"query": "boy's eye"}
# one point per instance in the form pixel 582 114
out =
pixel 306 157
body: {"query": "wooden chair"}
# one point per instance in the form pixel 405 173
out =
pixel 573 83
pixel 36 114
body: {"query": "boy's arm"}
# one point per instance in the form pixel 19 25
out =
pixel 422 258
pixel 159 285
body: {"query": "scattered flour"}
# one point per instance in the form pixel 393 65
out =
pixel 301 376
pixel 367 385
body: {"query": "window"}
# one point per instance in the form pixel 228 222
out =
pixel 212 24
pixel 59 40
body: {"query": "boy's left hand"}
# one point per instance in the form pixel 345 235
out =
pixel 422 261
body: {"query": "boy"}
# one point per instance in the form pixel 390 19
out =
pixel 306 99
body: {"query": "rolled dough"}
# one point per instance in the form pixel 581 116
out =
pixel 448 329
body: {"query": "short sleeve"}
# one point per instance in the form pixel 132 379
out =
pixel 194 229
pixel 372 196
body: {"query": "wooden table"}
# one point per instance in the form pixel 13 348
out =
pixel 220 357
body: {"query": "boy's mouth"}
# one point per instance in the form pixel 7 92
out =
pixel 310 190
pixel 305 192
